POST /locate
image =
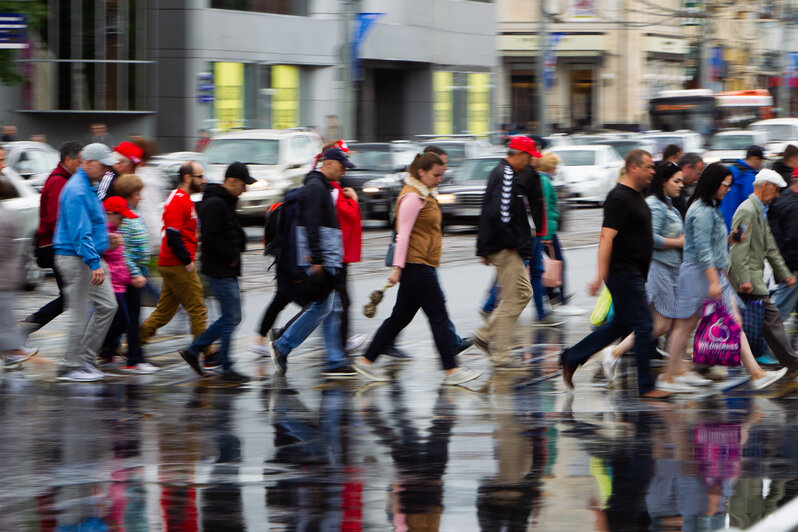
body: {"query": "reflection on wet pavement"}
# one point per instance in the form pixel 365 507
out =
pixel 288 453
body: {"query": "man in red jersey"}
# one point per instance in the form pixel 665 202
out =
pixel 181 285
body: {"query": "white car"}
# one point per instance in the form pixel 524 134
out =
pixel 278 159
pixel 729 146
pixel 689 141
pixel 589 171
pixel 34 161
pixel 25 206
pixel 780 131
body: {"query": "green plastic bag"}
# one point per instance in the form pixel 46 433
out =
pixel 604 310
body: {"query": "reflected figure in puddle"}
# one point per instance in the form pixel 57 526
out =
pixel 325 491
pixel 416 493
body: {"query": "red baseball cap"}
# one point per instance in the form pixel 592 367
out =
pixel 131 151
pixel 118 205
pixel 524 144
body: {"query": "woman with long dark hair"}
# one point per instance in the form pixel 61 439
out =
pixel 703 273
pixel 417 255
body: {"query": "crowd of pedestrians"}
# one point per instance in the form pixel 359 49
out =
pixel 675 234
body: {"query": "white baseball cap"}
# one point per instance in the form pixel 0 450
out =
pixel 769 176
pixel 100 152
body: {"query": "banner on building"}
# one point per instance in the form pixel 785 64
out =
pixel 13 31
pixel 443 103
pixel 285 99
pixel 550 61
pixel 479 104
pixel 229 95
pixel 583 9
pixel 363 23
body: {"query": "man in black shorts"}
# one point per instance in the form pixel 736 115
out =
pixel 624 256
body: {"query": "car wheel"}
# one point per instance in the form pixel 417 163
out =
pixel 33 274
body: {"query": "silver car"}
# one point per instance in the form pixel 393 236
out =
pixel 25 206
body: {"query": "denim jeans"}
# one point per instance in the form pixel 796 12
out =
pixel 327 311
pixel 786 299
pixel 228 294
pixel 536 277
pixel 632 314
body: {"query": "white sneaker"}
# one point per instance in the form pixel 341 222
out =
pixel 769 378
pixel 609 363
pixel 371 371
pixel 28 351
pixel 15 358
pixel 142 368
pixel 692 378
pixel 354 342
pixel 79 375
pixel 674 387
pixel 260 349
pixel 461 375
pixel 91 368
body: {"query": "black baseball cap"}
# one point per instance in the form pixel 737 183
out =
pixel 755 151
pixel 239 171
pixel 335 154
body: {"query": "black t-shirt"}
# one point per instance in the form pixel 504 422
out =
pixel 626 211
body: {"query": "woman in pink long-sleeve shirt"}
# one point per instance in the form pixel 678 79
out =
pixel 416 257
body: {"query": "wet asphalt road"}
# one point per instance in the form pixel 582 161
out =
pixel 507 452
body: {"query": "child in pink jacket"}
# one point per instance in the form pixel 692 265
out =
pixel 116 208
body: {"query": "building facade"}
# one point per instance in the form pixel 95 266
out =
pixel 169 68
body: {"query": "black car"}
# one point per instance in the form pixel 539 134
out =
pixel 461 198
pixel 378 175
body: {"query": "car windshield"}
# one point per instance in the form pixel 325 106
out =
pixel 577 157
pixel 732 142
pixel 778 131
pixel 624 147
pixel 662 142
pixel 455 151
pixel 475 170
pixel 247 151
pixel 376 158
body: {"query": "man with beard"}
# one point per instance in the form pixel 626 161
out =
pixel 181 285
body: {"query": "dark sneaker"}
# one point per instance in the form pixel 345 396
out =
pixel 274 334
pixel 192 360
pixel 395 352
pixel 339 373
pixel 212 361
pixel 567 371
pixel 280 360
pixel 465 343
pixel 481 344
pixel 234 377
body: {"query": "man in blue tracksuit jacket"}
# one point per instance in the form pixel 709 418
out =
pixel 81 236
pixel 743 175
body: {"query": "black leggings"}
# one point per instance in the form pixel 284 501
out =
pixel 279 302
pixel 418 289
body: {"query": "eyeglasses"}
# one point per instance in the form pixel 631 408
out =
pixel 726 184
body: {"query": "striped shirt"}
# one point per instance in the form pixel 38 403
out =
pixel 507 193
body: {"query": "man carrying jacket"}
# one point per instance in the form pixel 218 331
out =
pixel 743 175
pixel 48 214
pixel 320 251
pixel 223 240
pixel 80 238
pixel 747 263
pixel 782 215
pixel 504 239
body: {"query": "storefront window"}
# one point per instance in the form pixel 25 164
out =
pixel 280 7
pixel 91 55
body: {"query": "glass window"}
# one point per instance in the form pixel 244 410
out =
pixel 732 142
pixel 778 131
pixel 280 7
pixel 475 170
pixel 377 158
pixel 247 151
pixel 577 157
pixel 35 162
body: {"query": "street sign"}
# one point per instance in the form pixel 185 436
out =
pixel 13 31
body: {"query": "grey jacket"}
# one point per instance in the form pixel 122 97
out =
pixel 666 222
pixel 10 252
pixel 748 257
pixel 705 237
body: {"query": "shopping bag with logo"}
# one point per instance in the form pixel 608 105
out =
pixel 552 270
pixel 603 312
pixel 753 322
pixel 717 338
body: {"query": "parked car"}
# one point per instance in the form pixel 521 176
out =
pixel 728 146
pixel 461 198
pixel 589 171
pixel 689 141
pixel 378 176
pixel 277 159
pixel 32 160
pixel 624 145
pixel 780 131
pixel 459 148
pixel 25 206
